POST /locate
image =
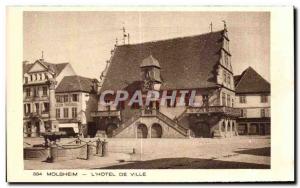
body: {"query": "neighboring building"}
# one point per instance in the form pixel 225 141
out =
pixel 39 81
pixel 201 63
pixel 253 98
pixel 76 97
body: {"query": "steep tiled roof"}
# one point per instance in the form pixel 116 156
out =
pixel 75 83
pixel 251 82
pixel 237 78
pixel 188 62
pixel 57 68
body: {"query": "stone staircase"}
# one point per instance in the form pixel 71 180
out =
pixel 181 115
pixel 126 124
pixel 172 123
pixel 157 114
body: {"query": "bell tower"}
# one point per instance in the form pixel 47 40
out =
pixel 150 73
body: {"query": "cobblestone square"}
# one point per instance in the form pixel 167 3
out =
pixel 236 152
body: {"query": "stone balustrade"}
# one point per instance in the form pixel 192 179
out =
pixel 230 111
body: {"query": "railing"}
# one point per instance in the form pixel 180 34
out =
pixel 126 124
pixel 115 113
pixel 148 112
pixel 172 123
pixel 34 114
pixel 36 98
pixel 182 114
pixel 215 109
pixel 27 114
pixel 45 114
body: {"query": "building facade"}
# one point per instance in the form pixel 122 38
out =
pixel 39 82
pixel 199 63
pixel 253 98
pixel 76 98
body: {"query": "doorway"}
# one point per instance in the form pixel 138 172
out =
pixel 156 131
pixel 142 131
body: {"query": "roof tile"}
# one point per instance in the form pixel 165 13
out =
pixel 75 83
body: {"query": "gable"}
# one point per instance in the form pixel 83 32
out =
pixel 37 67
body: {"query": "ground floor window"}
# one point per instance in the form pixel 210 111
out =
pixel 28 128
pixel 242 129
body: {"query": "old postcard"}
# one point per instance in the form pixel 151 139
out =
pixel 197 94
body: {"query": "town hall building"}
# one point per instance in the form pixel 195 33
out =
pixel 201 63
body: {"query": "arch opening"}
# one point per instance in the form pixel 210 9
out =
pixel 142 131
pixel 156 131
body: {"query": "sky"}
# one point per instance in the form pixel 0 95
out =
pixel 85 39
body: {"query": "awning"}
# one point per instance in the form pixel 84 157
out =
pixel 70 125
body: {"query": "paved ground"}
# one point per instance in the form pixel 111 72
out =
pixel 236 152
